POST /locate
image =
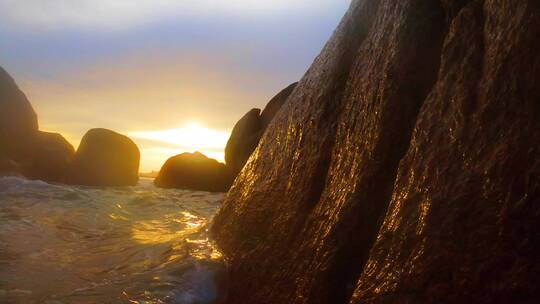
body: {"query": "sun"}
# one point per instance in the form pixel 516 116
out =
pixel 196 136
pixel 190 137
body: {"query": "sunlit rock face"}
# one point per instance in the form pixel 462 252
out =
pixel 105 158
pixel 464 220
pixel 194 171
pixel 247 132
pixel 18 121
pixel 422 115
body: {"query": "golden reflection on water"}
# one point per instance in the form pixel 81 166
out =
pixel 104 245
pixel 159 231
pixel 118 217
pixel 215 254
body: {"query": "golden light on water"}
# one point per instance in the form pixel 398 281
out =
pixel 160 231
pixel 183 232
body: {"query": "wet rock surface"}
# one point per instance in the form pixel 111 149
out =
pixel 464 219
pixel 194 171
pixel 421 116
pixel 104 158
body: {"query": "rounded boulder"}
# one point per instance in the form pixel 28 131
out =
pixel 194 171
pixel 105 158
pixel 52 155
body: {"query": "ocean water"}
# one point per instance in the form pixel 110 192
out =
pixel 66 244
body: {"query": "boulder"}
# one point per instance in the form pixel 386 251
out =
pixel 275 104
pixel 9 167
pixel 25 150
pixel 18 121
pixel 463 220
pixel 243 140
pixel 194 171
pixel 405 169
pixel 52 156
pixel 104 158
pixel 248 130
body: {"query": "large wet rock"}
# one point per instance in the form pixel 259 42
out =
pixel 248 130
pixel 52 156
pixel 18 121
pixel 300 222
pixel 194 171
pixel 464 219
pixel 105 158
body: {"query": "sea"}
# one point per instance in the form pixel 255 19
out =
pixel 74 244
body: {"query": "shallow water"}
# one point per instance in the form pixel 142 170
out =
pixel 65 244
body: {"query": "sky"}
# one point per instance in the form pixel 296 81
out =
pixel 174 75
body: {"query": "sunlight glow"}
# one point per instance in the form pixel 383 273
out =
pixel 170 142
pixel 191 136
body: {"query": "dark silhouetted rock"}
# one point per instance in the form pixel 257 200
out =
pixel 450 90
pixel 25 150
pixel 248 130
pixel 18 121
pixel 9 167
pixel 194 171
pixel 275 104
pixel 105 158
pixel 52 156
pixel 244 139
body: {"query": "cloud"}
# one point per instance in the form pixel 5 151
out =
pixel 124 14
